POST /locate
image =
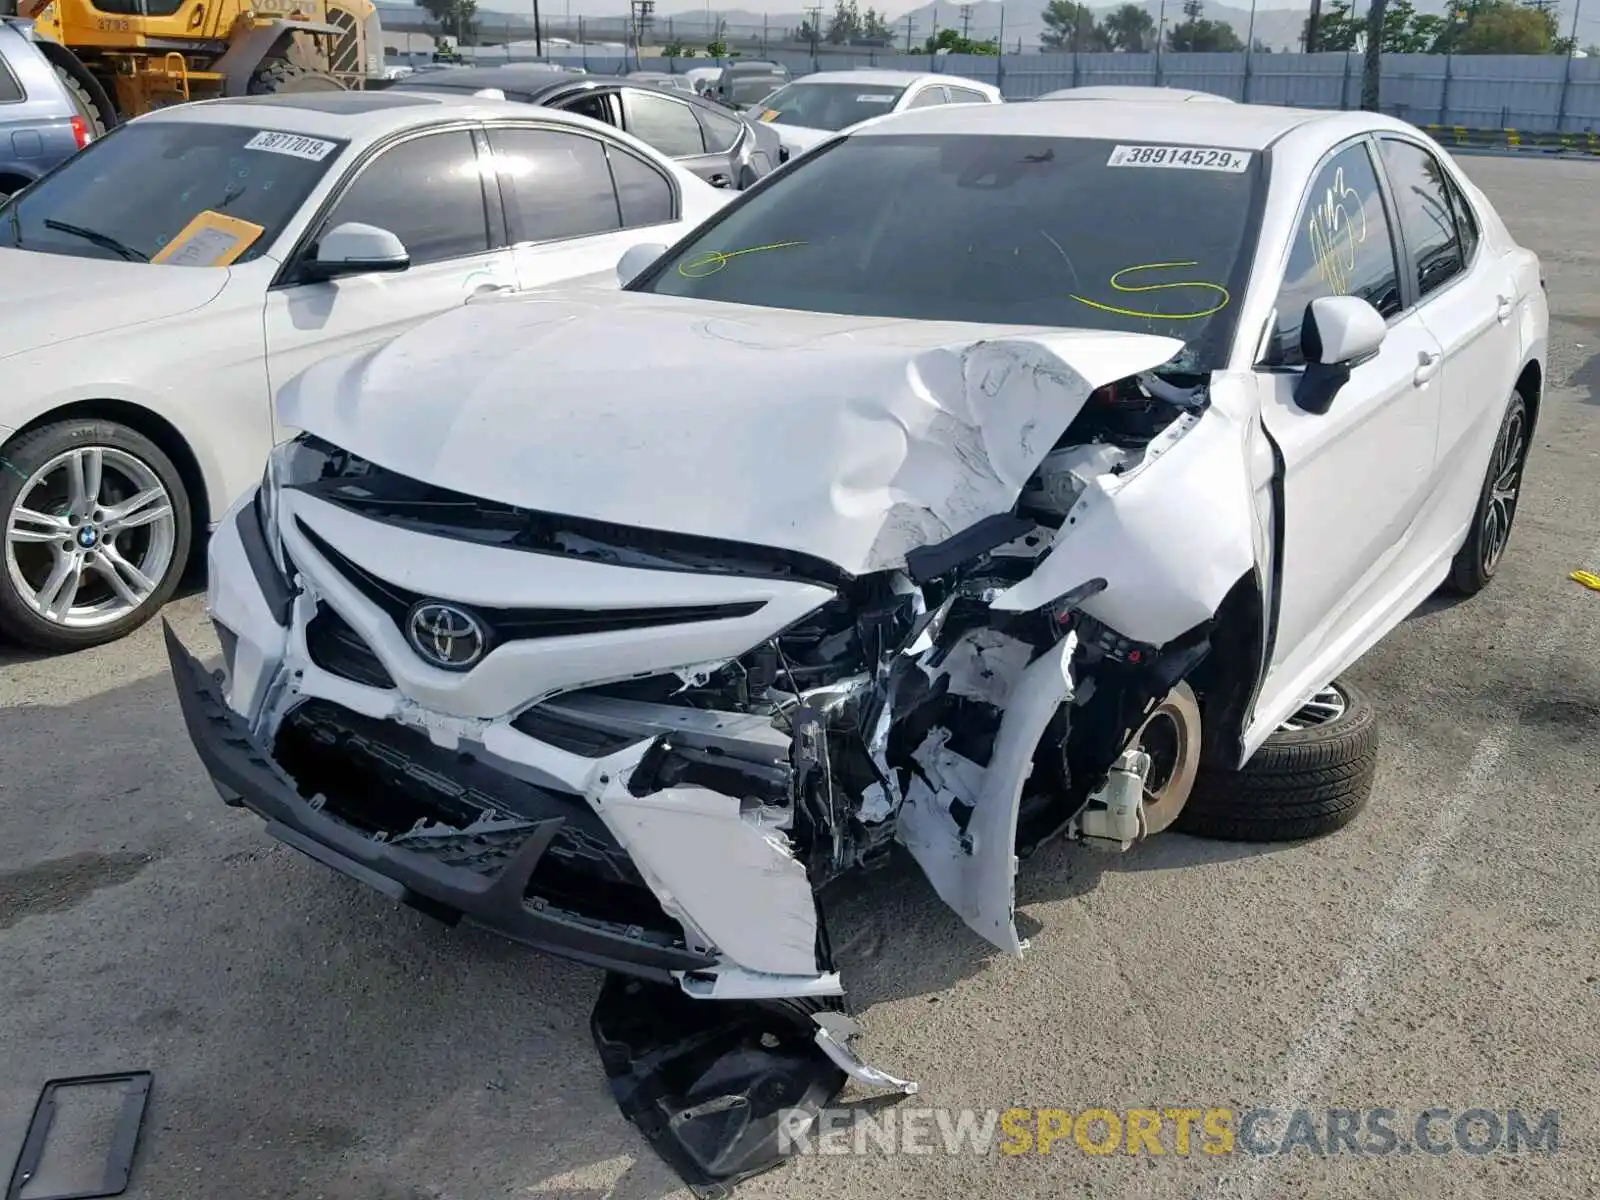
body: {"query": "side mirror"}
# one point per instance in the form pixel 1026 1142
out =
pixel 355 249
pixel 1338 334
pixel 636 260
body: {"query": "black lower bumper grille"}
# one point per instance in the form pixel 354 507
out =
pixel 340 650
pixel 394 785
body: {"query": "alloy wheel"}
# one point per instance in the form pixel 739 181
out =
pixel 1505 474
pixel 90 538
pixel 1326 704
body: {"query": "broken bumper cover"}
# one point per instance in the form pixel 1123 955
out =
pixel 246 776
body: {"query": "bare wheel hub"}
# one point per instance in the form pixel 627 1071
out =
pixel 1170 735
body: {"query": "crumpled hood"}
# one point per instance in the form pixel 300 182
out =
pixel 851 439
pixel 51 298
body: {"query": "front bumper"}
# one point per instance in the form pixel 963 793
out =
pixel 246 776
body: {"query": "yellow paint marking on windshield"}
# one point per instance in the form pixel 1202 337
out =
pixel 1159 287
pixel 713 261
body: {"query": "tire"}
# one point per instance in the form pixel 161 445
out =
pixel 91 113
pixel 1479 557
pixel 1301 783
pixel 302 69
pixel 107 602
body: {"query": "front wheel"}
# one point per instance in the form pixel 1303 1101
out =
pixel 1479 557
pixel 96 534
pixel 1312 775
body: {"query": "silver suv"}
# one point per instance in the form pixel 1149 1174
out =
pixel 40 124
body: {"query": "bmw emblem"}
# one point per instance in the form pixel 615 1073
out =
pixel 87 537
pixel 446 636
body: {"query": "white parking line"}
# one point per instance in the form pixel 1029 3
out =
pixel 1347 997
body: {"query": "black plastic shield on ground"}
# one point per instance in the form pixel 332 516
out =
pixel 710 1082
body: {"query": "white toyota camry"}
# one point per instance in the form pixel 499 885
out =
pixel 1052 474
pixel 160 285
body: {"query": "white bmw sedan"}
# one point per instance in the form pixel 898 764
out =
pixel 159 286
pixel 1056 472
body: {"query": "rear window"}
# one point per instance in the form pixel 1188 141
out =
pixel 202 193
pixel 831 106
pixel 1004 230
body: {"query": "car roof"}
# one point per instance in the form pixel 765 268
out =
pixel 1235 126
pixel 356 116
pixel 1133 92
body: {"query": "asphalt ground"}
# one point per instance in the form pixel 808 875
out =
pixel 309 1039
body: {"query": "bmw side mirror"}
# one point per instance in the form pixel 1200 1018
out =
pixel 636 260
pixel 355 249
pixel 1338 334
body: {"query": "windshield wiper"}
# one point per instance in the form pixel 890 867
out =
pixel 104 241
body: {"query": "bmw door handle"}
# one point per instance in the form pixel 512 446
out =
pixel 1503 309
pixel 1427 367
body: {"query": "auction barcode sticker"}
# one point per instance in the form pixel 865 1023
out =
pixel 1192 158
pixel 293 144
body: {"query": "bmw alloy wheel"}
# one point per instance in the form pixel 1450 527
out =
pixel 90 538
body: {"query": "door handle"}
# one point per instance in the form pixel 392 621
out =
pixel 1503 309
pixel 1427 367
pixel 489 289
pixel 719 181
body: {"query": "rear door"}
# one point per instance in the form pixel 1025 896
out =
pixel 1467 299
pixel 575 200
pixel 671 126
pixel 428 190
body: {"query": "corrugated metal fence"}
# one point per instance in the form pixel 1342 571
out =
pixel 1528 93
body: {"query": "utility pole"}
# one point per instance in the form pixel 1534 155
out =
pixel 1313 26
pixel 538 37
pixel 641 11
pixel 815 15
pixel 966 20
pixel 1372 64
pixel 908 33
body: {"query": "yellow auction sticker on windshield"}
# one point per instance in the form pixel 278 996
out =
pixel 210 240
pixel 770 115
pixel 1191 158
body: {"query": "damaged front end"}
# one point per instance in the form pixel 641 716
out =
pixel 661 779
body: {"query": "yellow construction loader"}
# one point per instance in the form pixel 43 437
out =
pixel 120 58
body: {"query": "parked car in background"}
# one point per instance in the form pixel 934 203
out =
pixel 743 83
pixel 160 286
pixel 664 79
pixel 1170 95
pixel 724 148
pixel 40 123
pixel 814 107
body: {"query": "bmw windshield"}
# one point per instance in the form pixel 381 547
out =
pixel 185 192
pixel 1015 230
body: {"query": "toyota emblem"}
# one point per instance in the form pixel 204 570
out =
pixel 446 636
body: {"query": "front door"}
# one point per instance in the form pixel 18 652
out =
pixel 428 191
pixel 1355 477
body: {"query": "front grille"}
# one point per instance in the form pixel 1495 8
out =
pixel 340 650
pixel 517 624
pixel 572 735
pixel 394 785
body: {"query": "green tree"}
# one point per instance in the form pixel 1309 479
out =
pixel 845 25
pixel 1070 26
pixel 1130 28
pixel 952 42
pixel 875 26
pixel 717 49
pixel 458 18
pixel 1499 27
pixel 1197 33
